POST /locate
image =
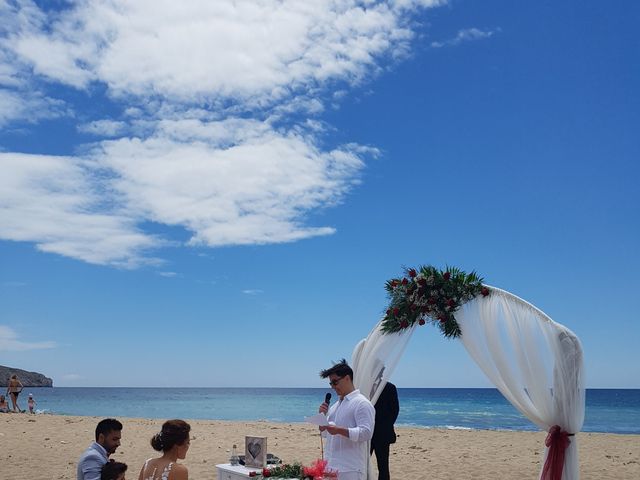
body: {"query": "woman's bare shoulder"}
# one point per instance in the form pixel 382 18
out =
pixel 180 472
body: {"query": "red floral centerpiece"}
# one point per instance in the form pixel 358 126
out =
pixel 317 471
pixel 428 294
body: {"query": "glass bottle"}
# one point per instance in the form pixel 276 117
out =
pixel 234 460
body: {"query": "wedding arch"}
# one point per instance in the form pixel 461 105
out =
pixel 536 363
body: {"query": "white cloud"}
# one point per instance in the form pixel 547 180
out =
pixel 167 274
pixel 105 128
pixel 467 35
pixel 252 291
pixel 55 202
pixel 10 342
pixel 27 106
pixel 229 182
pixel 217 133
pixel 260 52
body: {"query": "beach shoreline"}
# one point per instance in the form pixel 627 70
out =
pixel 45 447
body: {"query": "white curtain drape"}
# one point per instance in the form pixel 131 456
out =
pixel 536 363
pixel 375 358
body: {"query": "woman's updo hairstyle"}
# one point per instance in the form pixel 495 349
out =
pixel 174 432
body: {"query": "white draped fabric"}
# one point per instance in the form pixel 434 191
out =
pixel 375 358
pixel 536 363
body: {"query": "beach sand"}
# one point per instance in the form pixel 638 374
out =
pixel 46 447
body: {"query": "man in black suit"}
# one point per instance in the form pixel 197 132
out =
pixel 387 408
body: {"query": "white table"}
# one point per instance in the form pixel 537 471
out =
pixel 226 471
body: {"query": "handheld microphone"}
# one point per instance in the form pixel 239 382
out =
pixel 327 398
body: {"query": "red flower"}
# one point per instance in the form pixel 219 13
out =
pixel 421 321
pixel 446 276
pixel 394 283
pixel 422 282
pixel 442 317
pixel 425 309
pixel 404 324
pixel 404 281
pixel 412 273
pixel 266 472
pixel 484 291
pixel 252 474
pixel 451 302
pixel 388 311
pixel 431 301
pixel 396 311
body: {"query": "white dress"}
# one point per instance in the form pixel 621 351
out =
pixel 152 476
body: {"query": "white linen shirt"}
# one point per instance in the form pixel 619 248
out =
pixel 351 454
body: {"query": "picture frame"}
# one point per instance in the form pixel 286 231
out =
pixel 255 452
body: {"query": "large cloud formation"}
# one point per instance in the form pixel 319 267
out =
pixel 216 129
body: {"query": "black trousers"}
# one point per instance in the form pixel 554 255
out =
pixel 382 458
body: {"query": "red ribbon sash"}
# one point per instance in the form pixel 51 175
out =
pixel 557 440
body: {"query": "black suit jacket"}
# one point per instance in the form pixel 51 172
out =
pixel 387 408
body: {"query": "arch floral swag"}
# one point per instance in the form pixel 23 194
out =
pixel 536 363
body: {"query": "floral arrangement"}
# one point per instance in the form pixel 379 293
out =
pixel 430 295
pixel 317 471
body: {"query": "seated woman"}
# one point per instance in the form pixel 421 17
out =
pixel 173 441
pixel 4 406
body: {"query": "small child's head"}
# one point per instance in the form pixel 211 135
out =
pixel 113 471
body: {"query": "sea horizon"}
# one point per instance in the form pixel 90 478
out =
pixel 607 410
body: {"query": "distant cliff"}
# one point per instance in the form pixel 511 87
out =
pixel 28 379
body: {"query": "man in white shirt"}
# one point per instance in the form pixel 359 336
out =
pixel 351 421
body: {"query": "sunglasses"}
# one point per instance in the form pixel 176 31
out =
pixel 333 383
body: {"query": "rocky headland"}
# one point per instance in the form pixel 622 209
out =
pixel 28 379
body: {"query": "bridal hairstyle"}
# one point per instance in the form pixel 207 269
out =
pixel 174 432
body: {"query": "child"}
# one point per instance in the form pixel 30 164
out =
pixel 32 403
pixel 4 406
pixel 113 471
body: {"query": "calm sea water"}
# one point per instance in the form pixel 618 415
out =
pixel 612 411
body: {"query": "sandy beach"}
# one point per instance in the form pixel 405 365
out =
pixel 46 447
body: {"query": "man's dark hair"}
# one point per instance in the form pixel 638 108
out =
pixel 341 369
pixel 107 425
pixel 111 470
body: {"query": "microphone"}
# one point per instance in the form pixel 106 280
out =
pixel 327 398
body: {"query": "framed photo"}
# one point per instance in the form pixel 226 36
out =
pixel 255 452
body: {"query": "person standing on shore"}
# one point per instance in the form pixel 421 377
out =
pixel 13 390
pixel 351 422
pixel 108 434
pixel 31 403
pixel 387 408
pixel 173 441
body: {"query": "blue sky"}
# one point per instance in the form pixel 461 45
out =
pixel 214 194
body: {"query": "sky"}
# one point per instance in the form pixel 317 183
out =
pixel 214 193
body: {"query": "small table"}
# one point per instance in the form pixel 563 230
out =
pixel 226 471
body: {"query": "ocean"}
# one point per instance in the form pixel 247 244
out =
pixel 607 410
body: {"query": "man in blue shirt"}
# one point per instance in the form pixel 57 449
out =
pixel 108 434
